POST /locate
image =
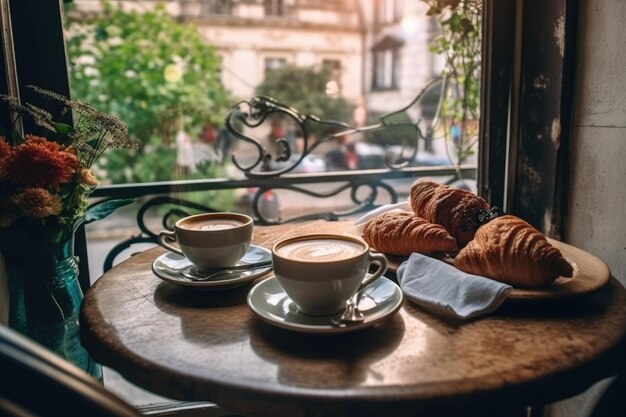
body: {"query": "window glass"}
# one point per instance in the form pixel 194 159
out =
pixel 172 70
pixel 385 67
pixel 272 64
pixel 333 86
pixel 389 11
pixel 274 8
pixel 219 7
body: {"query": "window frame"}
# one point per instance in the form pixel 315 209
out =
pixel 379 58
pixel 525 123
pixel 335 67
pixel 216 7
pixel 274 8
pixel 283 59
pixel 387 12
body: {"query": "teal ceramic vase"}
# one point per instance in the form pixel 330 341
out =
pixel 44 301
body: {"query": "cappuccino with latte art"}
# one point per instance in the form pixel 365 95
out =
pixel 321 250
pixel 321 272
pixel 216 224
pixel 210 240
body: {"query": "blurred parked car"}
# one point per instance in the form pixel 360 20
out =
pixel 310 164
pixel 363 155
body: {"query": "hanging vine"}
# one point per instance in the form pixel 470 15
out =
pixel 460 45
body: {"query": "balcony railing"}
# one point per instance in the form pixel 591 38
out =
pixel 338 194
pixel 366 189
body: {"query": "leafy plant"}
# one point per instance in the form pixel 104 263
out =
pixel 304 88
pixel 397 133
pixel 155 73
pixel 45 176
pixel 460 45
pixel 157 163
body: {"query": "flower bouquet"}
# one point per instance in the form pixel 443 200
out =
pixel 45 182
pixel 45 178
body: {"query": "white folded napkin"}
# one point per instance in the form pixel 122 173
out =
pixel 444 290
pixel 359 224
pixel 380 210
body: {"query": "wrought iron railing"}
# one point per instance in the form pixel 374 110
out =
pixel 367 190
pixel 268 173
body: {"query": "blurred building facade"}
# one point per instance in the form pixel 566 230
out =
pixel 397 61
pixel 378 49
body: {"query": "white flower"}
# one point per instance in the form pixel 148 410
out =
pixel 86 60
pixel 113 30
pixel 91 72
pixel 173 73
pixel 115 41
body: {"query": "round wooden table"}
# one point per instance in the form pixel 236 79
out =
pixel 201 345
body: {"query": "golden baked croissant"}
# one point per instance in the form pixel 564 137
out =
pixel 400 233
pixel 510 250
pixel 456 210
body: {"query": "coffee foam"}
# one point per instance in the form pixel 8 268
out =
pixel 320 250
pixel 211 224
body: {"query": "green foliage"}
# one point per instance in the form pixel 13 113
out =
pixel 102 210
pixel 304 88
pixel 460 44
pixel 156 163
pixel 222 200
pixel 153 72
pixel 399 130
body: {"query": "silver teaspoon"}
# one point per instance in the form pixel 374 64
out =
pixel 351 314
pixel 207 275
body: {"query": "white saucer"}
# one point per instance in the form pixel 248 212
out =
pixel 169 266
pixel 270 303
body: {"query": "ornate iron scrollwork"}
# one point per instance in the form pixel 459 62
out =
pixel 313 132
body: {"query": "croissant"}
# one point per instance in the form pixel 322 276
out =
pixel 510 250
pixel 400 233
pixel 456 210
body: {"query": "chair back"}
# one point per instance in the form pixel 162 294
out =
pixel 35 382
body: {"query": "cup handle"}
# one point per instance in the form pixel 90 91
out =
pixel 380 260
pixel 166 235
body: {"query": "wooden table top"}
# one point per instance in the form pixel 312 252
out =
pixel 201 345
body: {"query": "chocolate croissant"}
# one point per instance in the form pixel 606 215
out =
pixel 456 210
pixel 400 233
pixel 510 250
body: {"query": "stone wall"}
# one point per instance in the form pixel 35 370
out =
pixel 596 221
pixel 597 210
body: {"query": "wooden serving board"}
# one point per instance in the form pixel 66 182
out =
pixel 590 274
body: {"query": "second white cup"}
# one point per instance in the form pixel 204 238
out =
pixel 210 240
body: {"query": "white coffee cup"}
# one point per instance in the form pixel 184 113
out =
pixel 321 272
pixel 210 240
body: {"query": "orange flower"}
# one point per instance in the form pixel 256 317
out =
pixel 38 163
pixel 5 149
pixel 71 149
pixel 85 176
pixel 41 141
pixel 36 203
